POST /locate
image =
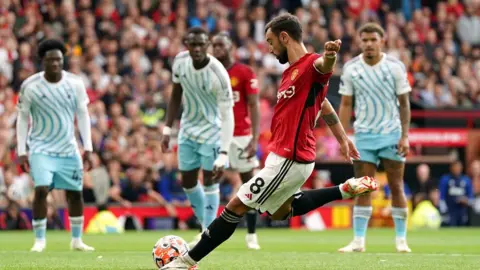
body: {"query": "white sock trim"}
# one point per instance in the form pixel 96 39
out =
pixel 190 190
pixel 362 211
pixel 400 213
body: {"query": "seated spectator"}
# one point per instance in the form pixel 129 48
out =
pixel 170 187
pixel 96 182
pixel 14 219
pixel 456 195
pixel 135 189
pixel 425 185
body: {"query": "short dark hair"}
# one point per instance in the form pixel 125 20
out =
pixel 197 30
pixel 224 34
pixel 50 44
pixel 288 23
pixel 371 28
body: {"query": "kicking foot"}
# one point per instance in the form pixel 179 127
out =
pixel 402 246
pixel 181 263
pixel 39 246
pixel 354 246
pixel 252 241
pixel 354 187
pixel 195 241
pixel 80 246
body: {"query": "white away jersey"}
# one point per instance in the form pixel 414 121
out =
pixel 375 89
pixel 52 108
pixel 205 92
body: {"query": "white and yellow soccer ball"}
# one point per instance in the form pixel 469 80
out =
pixel 167 249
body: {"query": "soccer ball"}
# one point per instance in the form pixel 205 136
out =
pixel 167 249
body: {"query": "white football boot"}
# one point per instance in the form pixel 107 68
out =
pixel 354 187
pixel 39 246
pixel 195 241
pixel 181 263
pixel 401 244
pixel 357 245
pixel 252 241
pixel 78 245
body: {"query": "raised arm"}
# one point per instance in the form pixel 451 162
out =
pixel 326 63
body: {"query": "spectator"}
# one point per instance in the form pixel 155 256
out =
pixel 468 26
pixel 14 219
pixel 456 195
pixel 135 189
pixel 475 176
pixel 96 182
pixel 425 185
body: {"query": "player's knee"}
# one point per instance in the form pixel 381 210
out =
pixel 189 178
pixel 41 193
pixel 74 196
pixel 396 188
pixel 237 206
pixel 208 178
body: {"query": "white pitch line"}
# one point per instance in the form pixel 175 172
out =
pixel 320 253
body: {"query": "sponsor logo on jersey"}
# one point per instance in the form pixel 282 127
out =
pixel 286 93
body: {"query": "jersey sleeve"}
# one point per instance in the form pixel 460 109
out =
pixel 401 81
pixel 82 97
pixel 175 71
pixel 251 82
pixel 346 86
pixel 176 66
pixel 319 76
pixel 224 88
pixel 24 100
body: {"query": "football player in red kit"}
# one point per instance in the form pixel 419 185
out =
pixel 300 102
pixel 242 154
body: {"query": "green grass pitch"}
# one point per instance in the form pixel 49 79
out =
pixel 281 249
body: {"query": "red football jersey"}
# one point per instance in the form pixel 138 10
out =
pixel 299 100
pixel 244 83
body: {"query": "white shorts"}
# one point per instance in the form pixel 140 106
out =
pixel 238 157
pixel 278 181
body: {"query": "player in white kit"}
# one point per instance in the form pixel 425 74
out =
pixel 206 126
pixel 382 110
pixel 51 99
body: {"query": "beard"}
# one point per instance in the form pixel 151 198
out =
pixel 283 56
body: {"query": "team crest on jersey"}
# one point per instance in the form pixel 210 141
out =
pixel 294 74
pixel 234 81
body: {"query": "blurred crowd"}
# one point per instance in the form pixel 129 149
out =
pixel 123 51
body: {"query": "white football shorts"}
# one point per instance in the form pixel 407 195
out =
pixel 278 181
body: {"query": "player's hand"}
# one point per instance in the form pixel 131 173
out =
pixel 87 161
pixel 251 148
pixel 403 147
pixel 219 165
pixel 23 160
pixel 349 151
pixel 165 143
pixel 332 47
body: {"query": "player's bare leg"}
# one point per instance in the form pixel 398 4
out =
pixel 395 170
pixel 251 237
pixel 362 209
pixel 40 218
pixel 75 211
pixel 224 226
